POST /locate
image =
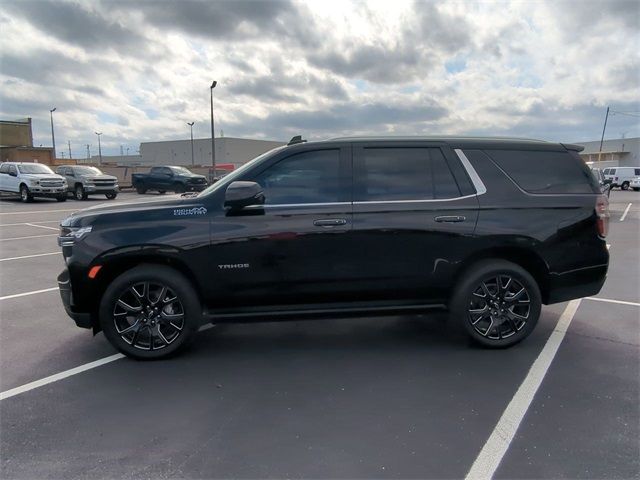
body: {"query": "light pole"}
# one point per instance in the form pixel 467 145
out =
pixel 213 135
pixel 191 125
pixel 53 137
pixel 99 146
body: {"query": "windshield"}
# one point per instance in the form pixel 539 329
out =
pixel 181 170
pixel 34 168
pixel 237 173
pixel 87 171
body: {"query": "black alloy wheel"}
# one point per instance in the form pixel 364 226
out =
pixel 150 312
pixel 149 316
pixel 496 302
pixel 499 307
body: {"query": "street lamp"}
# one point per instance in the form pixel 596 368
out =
pixel 99 146
pixel 191 125
pixel 213 145
pixel 53 137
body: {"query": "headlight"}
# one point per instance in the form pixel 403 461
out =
pixel 68 235
pixel 34 182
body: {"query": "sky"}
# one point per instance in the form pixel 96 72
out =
pixel 138 71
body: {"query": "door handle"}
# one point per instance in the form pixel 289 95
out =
pixel 330 222
pixel 450 218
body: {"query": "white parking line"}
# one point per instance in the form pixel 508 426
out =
pixel 21 224
pixel 73 371
pixel 41 226
pixel 626 210
pixel 498 443
pixel 17 295
pixel 31 236
pixel 608 300
pixel 28 256
pixel 59 376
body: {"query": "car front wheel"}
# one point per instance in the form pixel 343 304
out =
pixel 150 312
pixel 625 186
pixel 80 194
pixel 25 194
pixel 497 302
pixel 110 196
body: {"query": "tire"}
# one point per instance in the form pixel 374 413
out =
pixel 141 190
pixel 62 198
pixel 635 189
pixel 514 309
pixel 136 333
pixel 625 186
pixel 79 193
pixel 110 196
pixel 25 194
pixel 179 188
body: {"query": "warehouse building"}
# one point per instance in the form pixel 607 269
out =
pixel 16 143
pixel 622 152
pixel 230 152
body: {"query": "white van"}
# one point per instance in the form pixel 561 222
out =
pixel 621 176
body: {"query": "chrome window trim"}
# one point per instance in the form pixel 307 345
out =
pixel 475 178
pixel 367 202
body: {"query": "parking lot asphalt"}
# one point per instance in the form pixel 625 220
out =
pixel 343 398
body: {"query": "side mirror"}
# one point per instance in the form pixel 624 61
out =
pixel 242 194
pixel 13 174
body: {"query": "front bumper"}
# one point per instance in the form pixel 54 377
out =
pixel 82 319
pixel 47 191
pixel 102 189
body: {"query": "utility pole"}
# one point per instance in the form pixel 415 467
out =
pixel 603 129
pixel 88 153
pixel 69 142
pixel 99 146
pixel 53 137
pixel 191 125
pixel 213 134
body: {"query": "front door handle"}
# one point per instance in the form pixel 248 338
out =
pixel 330 222
pixel 450 218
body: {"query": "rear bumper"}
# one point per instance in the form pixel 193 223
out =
pixel 82 319
pixel 584 282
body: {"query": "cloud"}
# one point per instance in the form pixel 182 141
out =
pixel 139 70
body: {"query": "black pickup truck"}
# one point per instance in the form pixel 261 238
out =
pixel 168 179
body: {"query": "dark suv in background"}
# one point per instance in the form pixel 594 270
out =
pixel 489 228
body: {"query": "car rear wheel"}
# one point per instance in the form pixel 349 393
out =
pixel 497 302
pixel 25 194
pixel 625 186
pixel 110 196
pixel 79 193
pixel 150 312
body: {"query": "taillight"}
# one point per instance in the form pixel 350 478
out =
pixel 602 212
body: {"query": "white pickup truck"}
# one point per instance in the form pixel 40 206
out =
pixel 32 180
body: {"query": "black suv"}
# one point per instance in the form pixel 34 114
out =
pixel 489 228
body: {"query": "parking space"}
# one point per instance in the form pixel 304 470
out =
pixel 355 398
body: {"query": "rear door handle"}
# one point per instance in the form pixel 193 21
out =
pixel 330 222
pixel 450 218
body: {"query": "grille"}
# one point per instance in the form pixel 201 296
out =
pixel 104 182
pixel 51 183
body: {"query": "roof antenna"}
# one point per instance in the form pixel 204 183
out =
pixel 295 140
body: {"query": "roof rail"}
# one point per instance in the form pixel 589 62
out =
pixel 295 140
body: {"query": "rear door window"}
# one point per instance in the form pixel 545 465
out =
pixel 546 171
pixel 403 173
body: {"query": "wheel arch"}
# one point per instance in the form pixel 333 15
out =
pixel 525 258
pixel 118 265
